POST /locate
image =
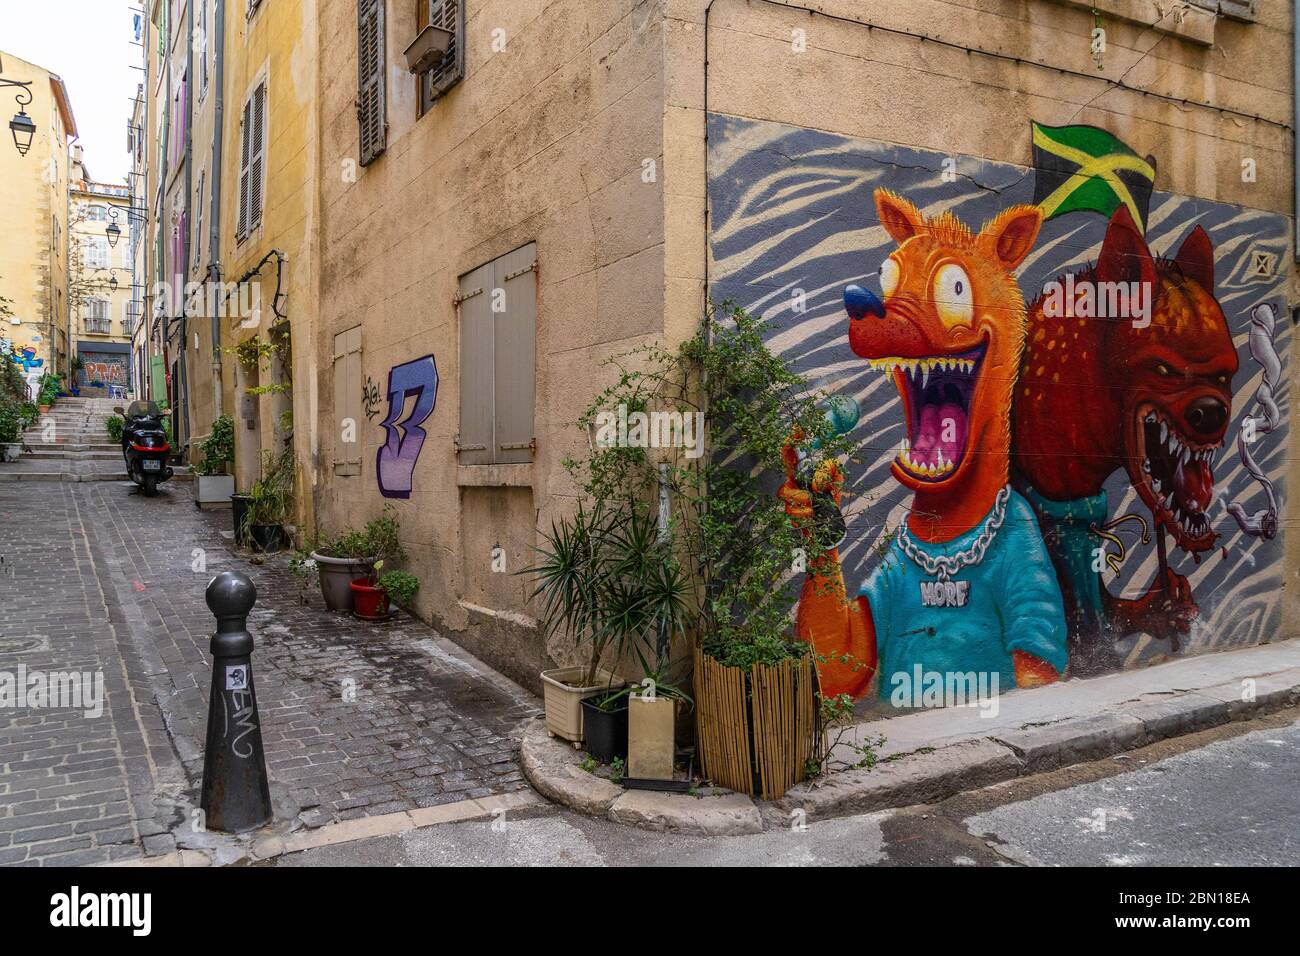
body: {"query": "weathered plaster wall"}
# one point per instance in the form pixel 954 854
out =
pixel 544 141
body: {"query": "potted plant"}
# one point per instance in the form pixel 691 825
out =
pixel 47 391
pixel 373 595
pixel 724 550
pixel 213 487
pixel 351 556
pixel 270 501
pixel 10 431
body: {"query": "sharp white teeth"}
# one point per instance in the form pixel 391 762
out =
pixel 1186 455
pixel 925 372
pixel 1146 465
pixel 1151 417
pixel 1155 485
pixel 1164 432
pixel 1174 444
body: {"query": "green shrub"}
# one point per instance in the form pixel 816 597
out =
pixel 10 423
pixel 218 448
pixel 399 586
pixel 115 424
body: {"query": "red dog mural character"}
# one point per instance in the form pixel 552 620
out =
pixel 1149 394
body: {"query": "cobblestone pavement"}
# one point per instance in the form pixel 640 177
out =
pixel 357 719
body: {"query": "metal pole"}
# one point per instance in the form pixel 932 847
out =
pixel 236 793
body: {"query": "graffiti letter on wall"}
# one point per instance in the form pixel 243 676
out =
pixel 395 462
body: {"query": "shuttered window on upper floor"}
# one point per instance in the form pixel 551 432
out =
pixel 498 334
pixel 252 161
pixel 372 118
pixel 450 15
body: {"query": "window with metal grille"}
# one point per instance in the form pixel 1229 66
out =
pixel 96 316
pixel 252 161
pixel 372 118
pixel 450 15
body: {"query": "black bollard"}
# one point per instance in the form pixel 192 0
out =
pixel 236 793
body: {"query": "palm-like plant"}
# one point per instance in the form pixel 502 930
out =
pixel 607 577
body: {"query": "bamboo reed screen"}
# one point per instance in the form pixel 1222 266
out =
pixel 756 729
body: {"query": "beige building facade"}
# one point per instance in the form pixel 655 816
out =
pixel 101 279
pixel 34 245
pixel 457 251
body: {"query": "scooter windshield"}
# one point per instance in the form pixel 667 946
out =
pixel 142 409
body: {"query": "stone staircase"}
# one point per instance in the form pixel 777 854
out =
pixel 71 443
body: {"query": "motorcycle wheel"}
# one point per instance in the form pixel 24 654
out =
pixel 150 485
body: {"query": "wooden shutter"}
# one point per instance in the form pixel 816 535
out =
pixel 372 116
pixel 514 361
pixel 476 442
pixel 245 138
pixel 449 15
pixel 347 400
pixel 257 157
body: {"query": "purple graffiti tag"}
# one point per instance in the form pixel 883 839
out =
pixel 395 461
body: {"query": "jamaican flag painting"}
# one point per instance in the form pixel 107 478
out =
pixel 1083 168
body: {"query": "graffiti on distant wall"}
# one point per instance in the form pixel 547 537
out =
pixel 1071 450
pixel 106 373
pixel 412 385
pixel 26 356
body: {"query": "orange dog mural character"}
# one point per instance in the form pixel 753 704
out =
pixel 966 584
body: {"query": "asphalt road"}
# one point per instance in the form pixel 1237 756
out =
pixel 1224 796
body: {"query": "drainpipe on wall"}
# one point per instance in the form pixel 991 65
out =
pixel 1295 124
pixel 214 226
pixel 184 366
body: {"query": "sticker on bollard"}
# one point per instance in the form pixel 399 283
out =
pixel 236 793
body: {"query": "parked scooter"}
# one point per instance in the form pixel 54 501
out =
pixel 144 446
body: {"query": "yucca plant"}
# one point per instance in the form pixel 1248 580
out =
pixel 606 578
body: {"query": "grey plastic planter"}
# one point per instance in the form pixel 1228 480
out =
pixel 213 490
pixel 336 577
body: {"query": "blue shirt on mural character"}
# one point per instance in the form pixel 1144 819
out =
pixel 1012 602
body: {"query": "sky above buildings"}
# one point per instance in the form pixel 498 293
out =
pixel 90 44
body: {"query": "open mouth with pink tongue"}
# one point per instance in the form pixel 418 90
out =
pixel 936 392
pixel 1177 474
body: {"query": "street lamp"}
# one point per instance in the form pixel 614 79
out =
pixel 23 128
pixel 112 280
pixel 114 231
pixel 21 125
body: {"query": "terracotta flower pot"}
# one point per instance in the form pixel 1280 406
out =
pixel 370 603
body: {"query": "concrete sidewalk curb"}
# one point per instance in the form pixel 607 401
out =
pixel 250 848
pixel 925 776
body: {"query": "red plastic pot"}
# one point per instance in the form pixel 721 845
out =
pixel 369 602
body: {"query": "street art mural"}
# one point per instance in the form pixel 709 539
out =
pixel 415 385
pixel 1071 447
pixel 33 365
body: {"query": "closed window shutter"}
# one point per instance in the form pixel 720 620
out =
pixel 244 140
pixel 347 401
pixel 448 15
pixel 476 441
pixel 371 111
pixel 257 158
pixel 514 364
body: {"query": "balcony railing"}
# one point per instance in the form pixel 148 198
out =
pixel 99 326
